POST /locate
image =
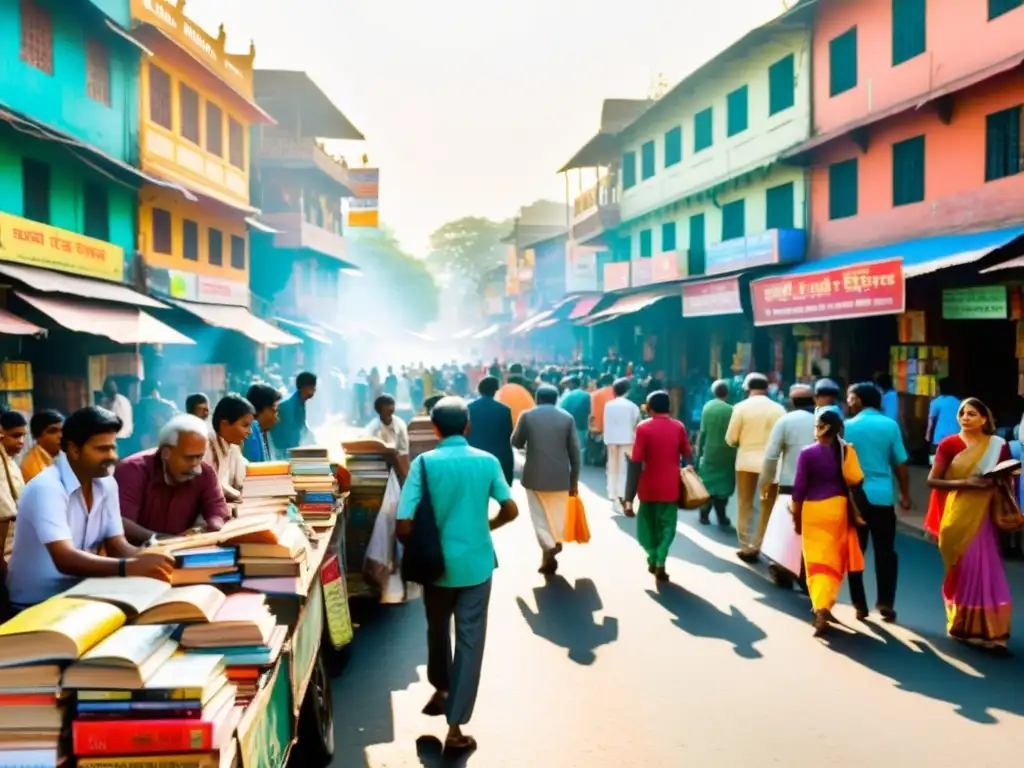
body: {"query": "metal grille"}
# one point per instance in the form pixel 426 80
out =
pixel 97 71
pixel 36 36
pixel 160 97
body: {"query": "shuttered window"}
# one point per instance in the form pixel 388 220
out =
pixel 214 129
pixel 909 36
pixel 97 71
pixel 736 111
pixel 36 36
pixel 695 255
pixel 96 205
pixel 188 105
pixel 779 202
pixel 628 170
pixel 782 85
pixel 1002 144
pixel 842 62
pixel 215 246
pixel 160 109
pixel 646 244
pixel 236 143
pixel 35 190
pixel 668 236
pixel 673 146
pixel 703 133
pixel 997 8
pixel 190 240
pixel 908 171
pixel 842 189
pixel 734 216
pixel 647 160
pixel 237 252
pixel 161 231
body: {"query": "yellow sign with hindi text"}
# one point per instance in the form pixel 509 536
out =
pixel 40 245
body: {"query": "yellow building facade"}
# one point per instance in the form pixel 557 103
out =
pixel 196 109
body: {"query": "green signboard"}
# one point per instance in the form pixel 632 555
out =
pixel 984 303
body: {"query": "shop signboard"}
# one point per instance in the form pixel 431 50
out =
pixel 40 245
pixel 616 275
pixel 842 293
pixel 363 207
pixel 642 272
pixel 712 297
pixel 580 269
pixel 665 267
pixel 981 303
pixel 774 246
pixel 202 289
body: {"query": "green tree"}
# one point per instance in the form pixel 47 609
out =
pixel 469 247
pixel 393 281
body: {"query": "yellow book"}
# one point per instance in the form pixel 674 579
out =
pixel 59 629
pixel 267 468
pixel 197 760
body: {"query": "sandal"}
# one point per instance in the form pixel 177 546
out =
pixel 820 623
pixel 459 745
pixel 437 705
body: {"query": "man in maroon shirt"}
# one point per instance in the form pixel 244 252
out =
pixel 660 443
pixel 169 491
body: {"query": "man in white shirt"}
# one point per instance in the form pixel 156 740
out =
pixel 69 511
pixel 121 407
pixel 621 417
pixel 392 431
pixel 12 442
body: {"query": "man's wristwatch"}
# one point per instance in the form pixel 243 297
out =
pixel 122 567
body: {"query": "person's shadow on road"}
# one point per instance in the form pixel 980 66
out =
pixel 565 617
pixel 696 616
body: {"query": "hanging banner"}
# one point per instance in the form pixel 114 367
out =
pixel 616 275
pixel 643 272
pixel 859 290
pixel 363 208
pixel 40 245
pixel 581 269
pixel 712 298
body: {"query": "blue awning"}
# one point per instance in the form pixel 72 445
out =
pixel 920 257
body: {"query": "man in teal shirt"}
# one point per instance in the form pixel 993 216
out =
pixel 462 481
pixel 576 403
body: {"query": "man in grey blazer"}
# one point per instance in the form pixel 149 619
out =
pixel 552 471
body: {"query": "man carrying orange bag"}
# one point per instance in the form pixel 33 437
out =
pixel 661 443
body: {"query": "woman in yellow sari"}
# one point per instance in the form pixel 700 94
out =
pixel 823 514
pixel 975 590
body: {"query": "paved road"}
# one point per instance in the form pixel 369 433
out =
pixel 597 668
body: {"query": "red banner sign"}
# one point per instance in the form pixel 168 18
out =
pixel 616 275
pixel 713 297
pixel 665 267
pixel 860 290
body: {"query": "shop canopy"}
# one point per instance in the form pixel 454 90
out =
pixel 241 320
pixel 532 322
pixel 311 332
pixel 584 306
pixel 45 281
pixel 125 325
pixel 627 305
pixel 487 332
pixel 12 325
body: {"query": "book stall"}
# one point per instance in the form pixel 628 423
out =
pixel 224 667
pixel 367 470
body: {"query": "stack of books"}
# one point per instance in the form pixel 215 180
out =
pixel 267 489
pixel 422 437
pixel 34 647
pixel 127 705
pixel 206 565
pixel 314 483
pixel 275 567
pixel 369 472
pixel 244 631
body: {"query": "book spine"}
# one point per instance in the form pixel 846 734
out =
pixel 140 737
pixel 159 761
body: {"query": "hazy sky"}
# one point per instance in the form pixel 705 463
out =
pixel 471 106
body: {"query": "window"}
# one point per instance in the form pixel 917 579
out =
pixel 160 111
pixel 736 111
pixel 695 255
pixel 1002 144
pixel 842 189
pixel 842 63
pixel 161 231
pixel 673 146
pixel 97 71
pixel 188 103
pixel 628 170
pixel 35 190
pixel 36 36
pixel 236 144
pixel 237 252
pixel 647 160
pixel 779 204
pixel 215 246
pixel 908 171
pixel 96 203
pixel 909 36
pixel 646 244
pixel 190 240
pixel 997 8
pixel 734 217
pixel 214 129
pixel 702 130
pixel 668 236
pixel 782 85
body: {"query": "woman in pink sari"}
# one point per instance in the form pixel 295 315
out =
pixel 975 590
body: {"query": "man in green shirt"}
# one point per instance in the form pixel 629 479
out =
pixel 576 403
pixel 462 481
pixel 716 458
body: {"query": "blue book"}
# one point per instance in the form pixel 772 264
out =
pixel 207 557
pixel 235 577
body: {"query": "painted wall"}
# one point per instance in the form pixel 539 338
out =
pixel 67 181
pixel 766 135
pixel 956 194
pixel 960 41
pixel 118 10
pixel 60 99
pixel 151 197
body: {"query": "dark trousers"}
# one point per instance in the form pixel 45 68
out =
pixel 457 675
pixel 881 529
pixel 719 503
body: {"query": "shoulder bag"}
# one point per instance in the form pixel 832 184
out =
pixel 422 556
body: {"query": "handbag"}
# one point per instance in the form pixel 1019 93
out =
pixel 576 527
pixel 692 493
pixel 423 558
pixel 1006 512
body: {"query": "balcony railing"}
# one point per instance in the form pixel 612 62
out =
pixel 279 148
pixel 605 192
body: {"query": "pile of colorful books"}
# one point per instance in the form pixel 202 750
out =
pixel 267 489
pixel 34 647
pixel 314 485
pixel 422 437
pixel 206 565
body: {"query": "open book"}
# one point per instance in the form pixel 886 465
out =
pixel 126 659
pixel 59 629
pixel 151 600
pixel 1008 467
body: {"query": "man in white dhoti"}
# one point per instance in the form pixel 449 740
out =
pixel 552 470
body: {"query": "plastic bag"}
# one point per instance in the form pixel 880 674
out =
pixel 782 544
pixel 576 528
pixel 379 559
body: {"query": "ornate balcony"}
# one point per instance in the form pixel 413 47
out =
pixel 596 211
